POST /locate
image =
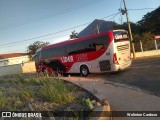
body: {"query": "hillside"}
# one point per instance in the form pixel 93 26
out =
pixel 103 26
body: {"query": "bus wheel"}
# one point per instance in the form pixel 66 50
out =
pixel 44 71
pixel 84 71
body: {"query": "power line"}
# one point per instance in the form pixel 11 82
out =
pixel 24 42
pixel 55 32
pixel 142 9
pixel 48 16
pixel 109 16
pixel 67 29
pixel 43 35
pixel 114 15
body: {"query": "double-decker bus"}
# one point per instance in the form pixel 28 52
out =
pixel 104 52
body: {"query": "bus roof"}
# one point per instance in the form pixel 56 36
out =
pixel 79 39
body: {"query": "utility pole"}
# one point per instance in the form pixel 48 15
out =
pixel 129 29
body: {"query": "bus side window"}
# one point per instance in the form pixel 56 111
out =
pixel 65 51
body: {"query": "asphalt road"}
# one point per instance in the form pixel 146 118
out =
pixel 143 75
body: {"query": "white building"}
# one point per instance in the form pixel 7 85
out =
pixel 13 58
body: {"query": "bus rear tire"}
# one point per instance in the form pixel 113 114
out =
pixel 84 70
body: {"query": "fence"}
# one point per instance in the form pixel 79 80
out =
pixel 147 48
pixel 10 69
pixel 28 67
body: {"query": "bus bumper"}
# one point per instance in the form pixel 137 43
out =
pixel 122 66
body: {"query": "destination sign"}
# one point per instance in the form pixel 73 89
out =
pixel 122 36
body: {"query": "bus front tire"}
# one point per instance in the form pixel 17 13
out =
pixel 44 71
pixel 84 71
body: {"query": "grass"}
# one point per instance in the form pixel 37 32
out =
pixel 3 101
pixel 26 94
pixel 56 91
pixel 20 91
pixel 53 95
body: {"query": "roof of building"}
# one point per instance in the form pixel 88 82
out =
pixel 12 55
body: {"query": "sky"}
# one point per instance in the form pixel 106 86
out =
pixel 22 22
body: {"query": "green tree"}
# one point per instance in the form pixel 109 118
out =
pixel 73 35
pixel 147 37
pixel 136 40
pixel 134 27
pixel 32 48
pixel 148 41
pixel 150 22
pixel 136 37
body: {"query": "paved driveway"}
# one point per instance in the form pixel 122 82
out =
pixel 144 74
pixel 135 89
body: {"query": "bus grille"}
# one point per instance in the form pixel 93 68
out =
pixel 123 47
pixel 105 65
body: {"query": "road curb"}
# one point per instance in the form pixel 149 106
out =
pixel 102 107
